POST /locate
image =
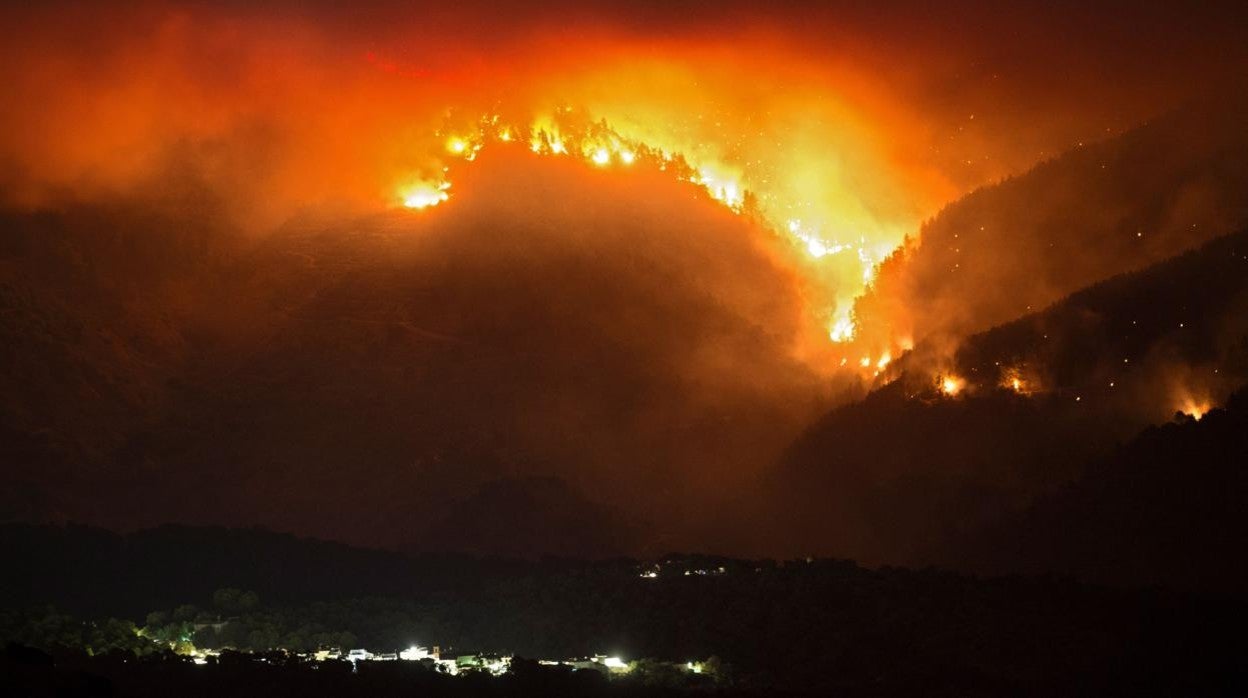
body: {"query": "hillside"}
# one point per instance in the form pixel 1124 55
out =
pixel 1166 508
pixel 95 572
pixel 1173 337
pixel 364 378
pixel 1098 210
pixel 1093 370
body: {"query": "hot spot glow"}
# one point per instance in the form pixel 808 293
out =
pixel 842 330
pixel 951 385
pixel 1012 379
pixel 1194 409
pixel 424 195
pixel 816 246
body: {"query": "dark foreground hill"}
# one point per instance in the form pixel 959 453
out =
pixel 95 572
pixel 1167 508
pixel 912 474
pixel 804 625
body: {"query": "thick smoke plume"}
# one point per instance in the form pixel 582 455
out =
pixel 217 309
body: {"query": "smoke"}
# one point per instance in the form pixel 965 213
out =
pixel 292 328
pixel 619 331
pixel 853 124
pixel 1103 209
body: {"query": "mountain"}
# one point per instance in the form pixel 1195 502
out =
pixel 1098 210
pixel 523 517
pixel 911 474
pixel 1164 509
pixel 1172 337
pixel 100 317
pixel 95 572
pixel 357 377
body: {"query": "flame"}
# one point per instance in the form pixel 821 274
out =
pixel 723 188
pixel 816 246
pixel 1191 393
pixel 425 194
pixel 951 385
pixel 1012 379
pixel 842 330
pixel 1195 409
pixel 571 132
pixel 823 142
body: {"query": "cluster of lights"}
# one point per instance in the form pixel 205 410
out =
pixel 495 665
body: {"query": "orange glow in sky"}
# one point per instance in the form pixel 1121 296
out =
pixel 281 116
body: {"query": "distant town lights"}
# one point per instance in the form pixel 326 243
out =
pixel 614 663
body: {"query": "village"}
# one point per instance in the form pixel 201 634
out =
pixel 457 664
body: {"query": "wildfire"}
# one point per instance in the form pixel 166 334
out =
pixel 567 132
pixel 1013 379
pixel 950 385
pixel 424 194
pixel 842 330
pixel 816 246
pixel 1195 409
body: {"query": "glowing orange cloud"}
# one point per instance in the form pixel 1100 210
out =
pixel 281 116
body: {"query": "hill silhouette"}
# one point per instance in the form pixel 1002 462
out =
pixel 386 383
pixel 844 628
pixel 912 475
pixel 1144 345
pixel 1164 509
pixel 359 378
pixel 1096 211
pixel 95 572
